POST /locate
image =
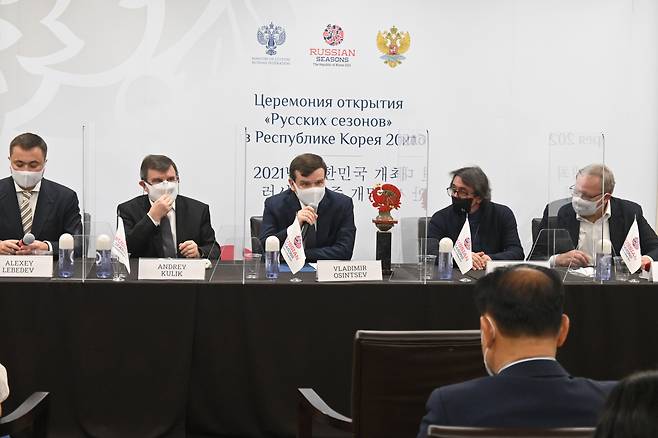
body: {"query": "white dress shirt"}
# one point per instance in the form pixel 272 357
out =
pixel 4 386
pixel 525 360
pixel 590 233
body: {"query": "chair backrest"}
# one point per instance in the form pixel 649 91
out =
pixel 394 373
pixel 255 223
pixel 30 419
pixel 486 432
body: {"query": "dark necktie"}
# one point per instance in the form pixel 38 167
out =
pixel 309 238
pixel 168 248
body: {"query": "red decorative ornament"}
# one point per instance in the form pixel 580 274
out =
pixel 385 197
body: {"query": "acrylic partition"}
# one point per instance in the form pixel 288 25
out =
pixel 376 184
pixel 577 191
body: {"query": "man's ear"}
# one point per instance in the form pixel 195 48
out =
pixel 564 330
pixel 143 185
pixel 291 183
pixel 487 331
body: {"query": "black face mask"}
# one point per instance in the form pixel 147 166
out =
pixel 461 206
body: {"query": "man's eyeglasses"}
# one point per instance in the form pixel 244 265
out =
pixel 580 195
pixel 459 193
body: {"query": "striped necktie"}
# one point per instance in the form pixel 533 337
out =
pixel 26 211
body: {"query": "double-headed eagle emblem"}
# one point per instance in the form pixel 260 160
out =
pixel 271 36
pixel 393 44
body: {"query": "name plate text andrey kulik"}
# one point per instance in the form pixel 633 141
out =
pixel 172 269
pixel 26 266
pixel 333 270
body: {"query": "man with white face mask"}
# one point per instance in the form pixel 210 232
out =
pixel 162 223
pixel 29 203
pixel 522 325
pixel 326 217
pixel 594 214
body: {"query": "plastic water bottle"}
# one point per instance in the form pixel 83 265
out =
pixel 103 256
pixel 445 259
pixel 65 261
pixel 603 270
pixel 272 257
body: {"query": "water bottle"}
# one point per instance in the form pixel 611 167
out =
pixel 445 259
pixel 603 270
pixel 272 258
pixel 65 260
pixel 103 256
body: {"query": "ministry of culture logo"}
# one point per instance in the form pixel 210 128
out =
pixel 271 37
pixel 332 56
pixel 393 44
pixel 333 35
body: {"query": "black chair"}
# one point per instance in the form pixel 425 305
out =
pixel 486 432
pixel 255 224
pixel 29 420
pixel 550 211
pixel 393 374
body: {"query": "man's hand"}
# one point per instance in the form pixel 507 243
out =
pixel 161 207
pixel 646 262
pixel 29 249
pixel 308 215
pixel 480 260
pixel 9 247
pixel 189 249
pixel 574 258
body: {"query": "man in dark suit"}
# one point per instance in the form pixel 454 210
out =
pixel 30 203
pixel 494 235
pixel 330 232
pixel 594 214
pixel 522 324
pixel 162 223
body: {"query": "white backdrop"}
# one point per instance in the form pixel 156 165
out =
pixel 491 80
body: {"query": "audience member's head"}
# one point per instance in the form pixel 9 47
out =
pixel 521 314
pixel 632 408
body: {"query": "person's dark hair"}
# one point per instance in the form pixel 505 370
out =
pixel 524 300
pixel 306 164
pixel 161 163
pixel 632 408
pixel 474 177
pixel 28 141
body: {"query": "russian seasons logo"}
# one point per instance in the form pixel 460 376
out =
pixel 333 56
pixel 271 37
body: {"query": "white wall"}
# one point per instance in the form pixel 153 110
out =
pixel 490 79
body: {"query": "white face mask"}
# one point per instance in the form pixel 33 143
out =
pixel 584 207
pixel 26 179
pixel 484 353
pixel 311 196
pixel 164 188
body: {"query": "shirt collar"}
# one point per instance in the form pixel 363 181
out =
pixel 606 214
pixel 526 360
pixel 19 189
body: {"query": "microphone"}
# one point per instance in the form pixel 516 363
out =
pixel 28 239
pixel 314 206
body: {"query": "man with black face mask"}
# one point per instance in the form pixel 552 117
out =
pixel 494 235
pixel 594 214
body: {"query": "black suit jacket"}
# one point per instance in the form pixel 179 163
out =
pixel 498 235
pixel 192 223
pixel 57 212
pixel 335 232
pixel 623 213
pixel 533 394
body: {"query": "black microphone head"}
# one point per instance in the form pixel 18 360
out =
pixel 28 239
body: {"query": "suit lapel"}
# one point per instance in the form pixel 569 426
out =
pixel 45 205
pixel 13 214
pixel 157 238
pixel 322 228
pixel 616 225
pixel 181 213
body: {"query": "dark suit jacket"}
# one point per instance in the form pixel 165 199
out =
pixel 499 238
pixel 533 394
pixel 192 223
pixel 335 233
pixel 57 212
pixel 623 213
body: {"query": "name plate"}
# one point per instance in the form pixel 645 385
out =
pixel 172 269
pixel 334 270
pixel 26 266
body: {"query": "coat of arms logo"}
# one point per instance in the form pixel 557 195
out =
pixel 393 44
pixel 271 37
